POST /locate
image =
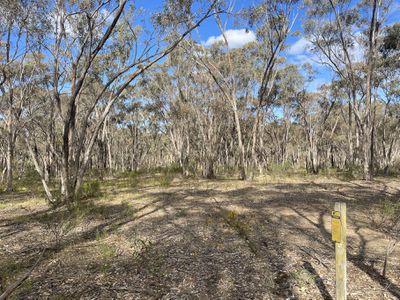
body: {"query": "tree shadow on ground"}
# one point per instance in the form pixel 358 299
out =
pixel 210 243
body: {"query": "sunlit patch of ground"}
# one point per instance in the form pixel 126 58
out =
pixel 149 238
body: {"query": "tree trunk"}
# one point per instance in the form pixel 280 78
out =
pixel 209 169
pixel 242 161
pixel 254 140
pixel 367 155
pixel 9 160
pixel 368 122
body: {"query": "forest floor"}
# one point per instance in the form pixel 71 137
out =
pixel 199 239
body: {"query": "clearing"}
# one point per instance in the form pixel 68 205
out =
pixel 198 239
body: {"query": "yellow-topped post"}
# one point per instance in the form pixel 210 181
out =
pixel 339 233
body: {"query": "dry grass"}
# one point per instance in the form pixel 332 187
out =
pixel 143 239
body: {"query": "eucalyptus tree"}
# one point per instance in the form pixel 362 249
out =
pixel 288 86
pixel 164 100
pixel 313 111
pixel 339 31
pixel 231 73
pixel 21 25
pixel 273 21
pixel 96 50
pixel 210 113
pixel 189 107
pixel 388 125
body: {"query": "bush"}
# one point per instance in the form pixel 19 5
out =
pixel 166 178
pixel 90 189
pixel 168 174
pixel 281 169
pixel 59 223
pixel 174 168
pixel 351 173
pixel 328 172
pixel 29 180
pixel 391 210
pixel 133 178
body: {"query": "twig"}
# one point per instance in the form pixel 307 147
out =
pixel 17 283
pixel 315 256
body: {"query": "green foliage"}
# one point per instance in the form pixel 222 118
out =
pixel 393 170
pixel 105 250
pixel 328 172
pixel 29 181
pixel 351 173
pixel 391 41
pixel 228 171
pixel 168 174
pixel 166 178
pixel 134 173
pixel 232 219
pixel 128 209
pixel 100 235
pixel 8 269
pixel 391 209
pixel 192 168
pixel 387 219
pixel 285 170
pixel 133 179
pixel 60 222
pixel 279 169
pixel 90 189
pixel 174 168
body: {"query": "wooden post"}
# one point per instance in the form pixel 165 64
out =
pixel 340 249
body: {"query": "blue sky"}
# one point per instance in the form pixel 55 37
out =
pixel 297 51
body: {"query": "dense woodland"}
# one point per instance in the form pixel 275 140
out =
pixel 196 149
pixel 94 88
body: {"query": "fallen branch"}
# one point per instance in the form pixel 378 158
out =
pixel 21 280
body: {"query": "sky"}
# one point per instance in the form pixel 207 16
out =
pixel 297 51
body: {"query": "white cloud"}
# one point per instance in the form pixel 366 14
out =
pixel 299 47
pixel 237 38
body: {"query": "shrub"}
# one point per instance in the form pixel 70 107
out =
pixel 356 171
pixel 59 223
pixel 90 189
pixel 28 180
pixel 174 168
pixel 281 169
pixel 133 179
pixel 168 174
pixel 166 178
pixel 328 172
pixel 105 250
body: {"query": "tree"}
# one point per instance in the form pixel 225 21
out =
pixel 275 20
pixel 19 37
pixel 335 40
pixel 96 53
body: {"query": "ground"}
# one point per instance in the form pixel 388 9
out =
pixel 143 238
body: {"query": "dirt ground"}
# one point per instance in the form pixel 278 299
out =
pixel 199 239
